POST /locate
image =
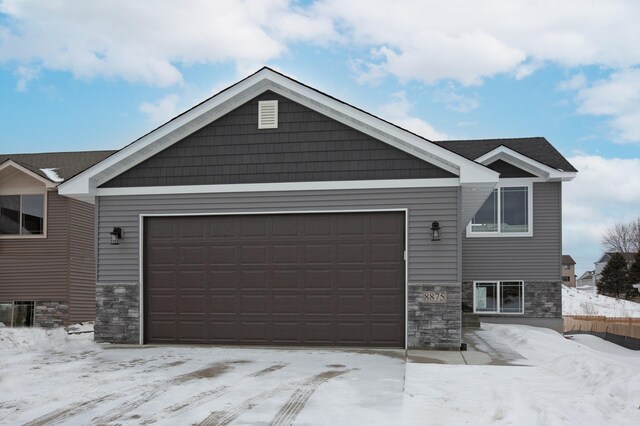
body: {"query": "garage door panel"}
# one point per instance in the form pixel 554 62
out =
pixel 220 255
pixel 352 279
pixel 290 279
pixel 222 304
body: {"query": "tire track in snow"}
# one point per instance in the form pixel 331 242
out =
pixel 204 397
pixel 211 371
pixel 69 411
pixel 296 403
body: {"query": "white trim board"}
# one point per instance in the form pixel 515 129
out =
pixel 85 183
pixel 249 213
pixel 281 186
pixel 525 163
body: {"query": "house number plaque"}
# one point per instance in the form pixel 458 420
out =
pixel 435 296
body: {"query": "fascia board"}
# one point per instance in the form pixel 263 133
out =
pixel 11 163
pixel 526 163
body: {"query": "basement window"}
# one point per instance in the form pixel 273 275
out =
pixel 498 297
pixel 17 314
pixel 267 114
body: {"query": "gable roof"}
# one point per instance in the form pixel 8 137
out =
pixel 568 260
pixel 536 148
pixel 628 256
pixel 84 185
pixel 54 166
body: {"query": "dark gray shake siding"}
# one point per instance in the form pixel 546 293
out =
pixel 429 263
pixel 535 260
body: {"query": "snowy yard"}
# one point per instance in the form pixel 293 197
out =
pixel 585 302
pixel 49 378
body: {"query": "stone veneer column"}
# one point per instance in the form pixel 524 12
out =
pixel 434 325
pixel 117 313
pixel 51 314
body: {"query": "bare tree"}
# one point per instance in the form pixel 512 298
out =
pixel 623 237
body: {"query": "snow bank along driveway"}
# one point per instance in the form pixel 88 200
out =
pixel 49 378
pixel 77 382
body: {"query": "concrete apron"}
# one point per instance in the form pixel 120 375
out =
pixel 479 352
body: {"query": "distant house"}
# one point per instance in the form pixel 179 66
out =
pixel 585 281
pixel 568 271
pixel 47 266
pixel 601 263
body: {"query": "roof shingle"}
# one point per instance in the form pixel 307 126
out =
pixel 66 164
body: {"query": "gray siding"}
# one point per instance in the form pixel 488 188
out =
pixel 306 146
pixel 428 261
pixel 82 267
pixel 534 258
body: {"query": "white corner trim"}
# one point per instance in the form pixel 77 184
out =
pixel 11 163
pixel 526 163
pixel 283 186
pixel 266 79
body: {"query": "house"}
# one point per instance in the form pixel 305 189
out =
pixel 586 281
pixel 604 259
pixel 47 267
pixel 275 214
pixel 568 271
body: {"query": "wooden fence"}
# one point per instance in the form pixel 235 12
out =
pixel 623 327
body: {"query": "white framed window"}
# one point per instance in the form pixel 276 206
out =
pixel 508 212
pixel 17 313
pixel 498 297
pixel 23 215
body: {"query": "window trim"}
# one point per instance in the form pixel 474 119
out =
pixel 45 196
pixel 511 183
pixel 498 289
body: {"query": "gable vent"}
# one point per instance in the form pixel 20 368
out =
pixel 267 114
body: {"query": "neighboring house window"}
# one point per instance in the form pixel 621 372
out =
pixel 507 212
pixel 566 278
pixel 17 314
pixel 22 214
pixel 498 297
pixel 567 267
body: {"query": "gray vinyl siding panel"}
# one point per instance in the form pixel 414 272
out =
pixel 82 273
pixel 37 268
pixel 306 146
pixel 521 258
pixel 428 261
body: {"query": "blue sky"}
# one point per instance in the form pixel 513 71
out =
pixel 96 75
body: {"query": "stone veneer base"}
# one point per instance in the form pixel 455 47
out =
pixel 541 299
pixel 50 314
pixel 117 313
pixel 434 325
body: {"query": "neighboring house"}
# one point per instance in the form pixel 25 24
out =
pixel 568 271
pixel 604 259
pixel 586 280
pixel 47 267
pixel 275 214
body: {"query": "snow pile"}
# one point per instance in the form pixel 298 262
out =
pixel 52 174
pixel 578 302
pixel 20 340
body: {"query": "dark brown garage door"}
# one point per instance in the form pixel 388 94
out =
pixel 289 279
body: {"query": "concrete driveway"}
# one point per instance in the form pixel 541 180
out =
pixel 201 385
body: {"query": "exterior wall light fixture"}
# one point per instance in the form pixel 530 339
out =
pixel 435 229
pixel 116 236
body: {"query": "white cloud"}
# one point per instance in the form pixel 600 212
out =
pixel 161 110
pixel 605 191
pixel 617 98
pixel 398 111
pixel 469 41
pixel 449 96
pixel 576 82
pixel 25 75
pixel 147 40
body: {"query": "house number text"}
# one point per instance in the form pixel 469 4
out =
pixel 435 296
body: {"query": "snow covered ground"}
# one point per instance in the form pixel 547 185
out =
pixel 580 302
pixel 51 378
